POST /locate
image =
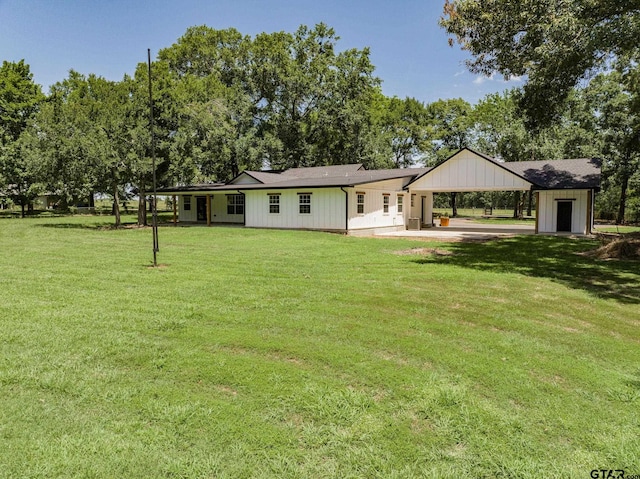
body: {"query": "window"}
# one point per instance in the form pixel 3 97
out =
pixel 385 204
pixel 186 201
pixel 360 203
pixel 235 204
pixel 400 202
pixel 274 204
pixel 304 199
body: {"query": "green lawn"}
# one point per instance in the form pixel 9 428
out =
pixel 260 354
pixel 617 229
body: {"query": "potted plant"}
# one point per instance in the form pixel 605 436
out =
pixel 444 219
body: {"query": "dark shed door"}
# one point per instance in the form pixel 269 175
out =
pixel 564 216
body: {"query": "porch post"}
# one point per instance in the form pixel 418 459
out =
pixel 589 212
pixel 175 210
pixel 537 210
pixel 428 208
pixel 208 210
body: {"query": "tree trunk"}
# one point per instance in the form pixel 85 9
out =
pixel 92 201
pixel 454 207
pixel 24 213
pixel 516 204
pixel 624 186
pixel 530 203
pixel 142 206
pixel 116 206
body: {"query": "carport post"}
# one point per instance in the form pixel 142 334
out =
pixel 175 210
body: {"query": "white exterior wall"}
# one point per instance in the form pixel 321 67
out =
pixel 373 216
pixel 186 215
pixel 548 210
pixel 219 210
pixel 327 209
pixel 467 171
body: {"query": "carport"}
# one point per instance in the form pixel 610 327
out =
pixel 564 189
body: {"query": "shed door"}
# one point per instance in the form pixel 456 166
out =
pixel 564 216
pixel 201 208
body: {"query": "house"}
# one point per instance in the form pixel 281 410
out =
pixel 351 199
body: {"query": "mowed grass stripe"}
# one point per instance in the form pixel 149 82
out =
pixel 258 353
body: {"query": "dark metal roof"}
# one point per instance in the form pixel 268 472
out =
pixel 196 187
pixel 578 173
pixel 316 177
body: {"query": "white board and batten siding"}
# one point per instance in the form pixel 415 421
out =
pixel 219 212
pixel 548 210
pixel 467 171
pixel 373 215
pixel 327 209
pixel 186 215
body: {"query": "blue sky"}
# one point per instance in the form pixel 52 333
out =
pixel 108 38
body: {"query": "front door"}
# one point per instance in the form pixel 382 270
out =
pixel 201 208
pixel 564 216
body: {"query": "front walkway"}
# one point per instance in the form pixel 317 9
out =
pixel 462 229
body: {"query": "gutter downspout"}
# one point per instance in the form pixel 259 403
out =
pixel 346 210
pixel 244 208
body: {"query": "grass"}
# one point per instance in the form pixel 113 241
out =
pixel 259 353
pixel 617 229
pixel 503 217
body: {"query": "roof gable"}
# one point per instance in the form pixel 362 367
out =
pixel 467 170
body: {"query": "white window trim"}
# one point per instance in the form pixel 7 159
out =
pixel 272 195
pixel 300 204
pixel 358 204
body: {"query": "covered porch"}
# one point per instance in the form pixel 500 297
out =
pixel 209 208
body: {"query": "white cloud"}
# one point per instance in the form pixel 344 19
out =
pixel 482 79
pixel 457 74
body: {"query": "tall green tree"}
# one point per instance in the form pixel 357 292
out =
pixel 405 124
pixel 554 44
pixel 166 108
pixel 615 102
pixel 451 124
pixel 20 99
pixel 65 137
pixel 451 128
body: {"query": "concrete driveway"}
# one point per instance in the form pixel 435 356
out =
pixel 462 229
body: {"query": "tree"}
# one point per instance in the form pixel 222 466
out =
pixel 64 136
pixel 451 125
pixel 20 99
pixel 404 123
pixel 555 44
pixel 278 99
pixel 316 102
pixel 615 102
